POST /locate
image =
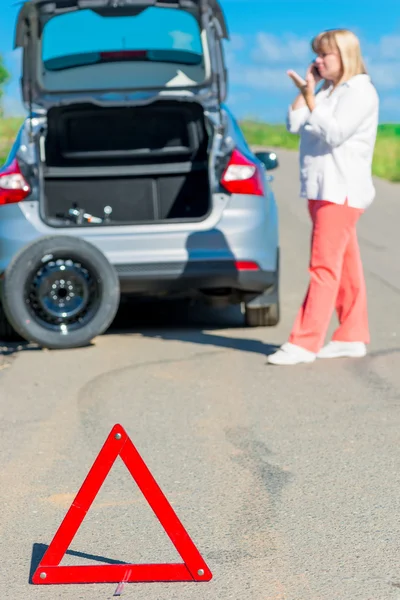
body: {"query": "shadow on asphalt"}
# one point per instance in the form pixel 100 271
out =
pixel 172 320
pixel 11 348
pixel 38 551
pixel 179 321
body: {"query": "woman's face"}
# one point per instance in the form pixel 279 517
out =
pixel 329 64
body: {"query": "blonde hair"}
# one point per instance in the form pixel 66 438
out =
pixel 348 46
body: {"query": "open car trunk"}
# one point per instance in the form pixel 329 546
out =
pixel 125 165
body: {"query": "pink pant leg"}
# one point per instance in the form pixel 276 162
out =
pixel 333 228
pixel 351 302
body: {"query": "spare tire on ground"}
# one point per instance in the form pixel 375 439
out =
pixel 60 292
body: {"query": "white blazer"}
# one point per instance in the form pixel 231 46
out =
pixel 337 141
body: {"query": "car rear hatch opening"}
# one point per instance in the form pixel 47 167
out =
pixel 135 164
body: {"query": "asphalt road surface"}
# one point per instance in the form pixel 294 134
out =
pixel 287 479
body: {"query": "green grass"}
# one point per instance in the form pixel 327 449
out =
pixel 387 153
pixel 274 136
pixel 386 160
pixel 8 130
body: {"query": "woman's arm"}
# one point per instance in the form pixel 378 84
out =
pixel 299 102
pixel 297 116
pixel 355 105
pixel 299 111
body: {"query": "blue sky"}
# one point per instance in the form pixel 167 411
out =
pixel 270 36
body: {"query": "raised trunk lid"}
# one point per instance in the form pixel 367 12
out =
pixel 121 51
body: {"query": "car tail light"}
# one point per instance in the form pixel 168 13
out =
pixel 246 265
pixel 243 176
pixel 13 186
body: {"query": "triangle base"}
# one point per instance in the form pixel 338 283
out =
pixel 116 574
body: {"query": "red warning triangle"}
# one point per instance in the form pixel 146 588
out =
pixel 193 567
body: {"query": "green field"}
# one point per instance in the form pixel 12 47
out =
pixel 387 152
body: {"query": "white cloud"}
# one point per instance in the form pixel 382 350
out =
pixel 230 57
pixel 239 98
pixel 390 46
pixel 261 78
pixel 236 42
pixel 262 63
pixel 391 103
pixel 383 62
pixel 259 75
pixel 387 48
pixel 287 48
pixel 385 75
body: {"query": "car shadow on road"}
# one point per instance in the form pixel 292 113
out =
pixel 9 350
pixel 197 324
pixel 169 320
pixel 207 338
pixel 38 551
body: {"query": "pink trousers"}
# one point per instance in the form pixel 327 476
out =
pixel 336 280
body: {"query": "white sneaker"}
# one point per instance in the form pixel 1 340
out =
pixel 343 350
pixel 289 354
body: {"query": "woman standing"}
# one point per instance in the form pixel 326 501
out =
pixel 337 129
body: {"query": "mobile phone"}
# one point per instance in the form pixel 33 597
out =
pixel 315 69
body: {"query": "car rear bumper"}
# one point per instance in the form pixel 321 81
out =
pixel 193 276
pixel 174 258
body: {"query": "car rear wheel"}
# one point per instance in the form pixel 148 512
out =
pixel 264 316
pixel 60 292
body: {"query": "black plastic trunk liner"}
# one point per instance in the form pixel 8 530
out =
pixel 88 134
pixel 138 199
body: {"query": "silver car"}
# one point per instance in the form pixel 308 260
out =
pixel 130 177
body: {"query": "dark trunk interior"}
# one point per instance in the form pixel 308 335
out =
pixel 149 164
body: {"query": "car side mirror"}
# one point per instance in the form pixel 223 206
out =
pixel 269 160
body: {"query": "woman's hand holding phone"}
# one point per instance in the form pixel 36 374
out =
pixel 307 86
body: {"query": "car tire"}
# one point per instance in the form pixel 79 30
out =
pixel 264 316
pixel 268 315
pixel 7 333
pixel 60 292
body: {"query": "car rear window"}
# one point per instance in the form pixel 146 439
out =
pixel 87 32
pixel 158 48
